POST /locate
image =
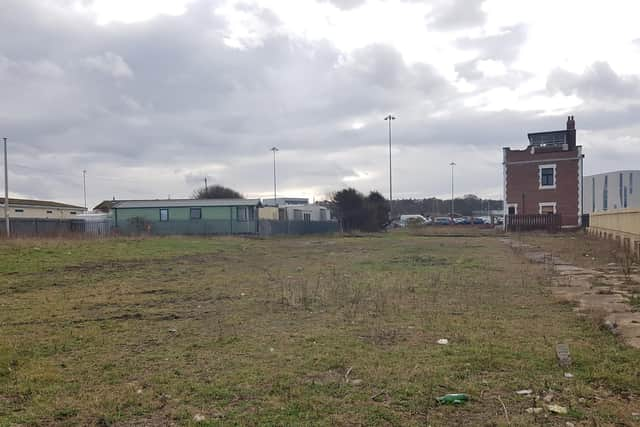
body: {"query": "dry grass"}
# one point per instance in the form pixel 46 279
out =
pixel 313 331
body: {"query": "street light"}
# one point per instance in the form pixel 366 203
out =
pixel 452 164
pixel 274 149
pixel 390 118
pixel 84 187
pixel 6 190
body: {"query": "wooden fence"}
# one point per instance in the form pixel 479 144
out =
pixel 548 222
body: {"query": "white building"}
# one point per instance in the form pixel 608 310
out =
pixel 285 201
pixel 612 190
pixel 304 213
pixel 40 209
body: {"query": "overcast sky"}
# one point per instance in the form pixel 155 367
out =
pixel 151 96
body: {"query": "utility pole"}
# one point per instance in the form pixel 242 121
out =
pixel 390 118
pixel 206 189
pixel 452 164
pixel 274 149
pixel 84 187
pixel 6 191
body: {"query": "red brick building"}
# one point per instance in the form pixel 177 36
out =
pixel 546 177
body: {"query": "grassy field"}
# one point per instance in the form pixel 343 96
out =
pixel 296 331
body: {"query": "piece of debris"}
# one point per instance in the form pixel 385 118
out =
pixel 198 418
pixel 380 396
pixel 548 398
pixel 611 327
pixel 443 341
pixel 582 400
pixel 271 349
pixel 173 330
pixel 635 414
pixel 453 399
pixel 526 392
pixel 139 391
pixel 569 424
pixel 534 410
pixel 557 409
pixel 242 294
pixel 562 352
pixel 568 375
pixel 355 382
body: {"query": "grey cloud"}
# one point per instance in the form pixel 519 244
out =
pixel 504 46
pixel 346 4
pixel 109 63
pixel 192 103
pixel 456 14
pixel 598 82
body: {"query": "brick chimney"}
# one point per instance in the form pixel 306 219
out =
pixel 571 133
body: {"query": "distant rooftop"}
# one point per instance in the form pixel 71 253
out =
pixel 173 203
pixel 38 203
pixel 286 201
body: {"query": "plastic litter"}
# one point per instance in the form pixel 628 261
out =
pixel 453 399
pixel 557 409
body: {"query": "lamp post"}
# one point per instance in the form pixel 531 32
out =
pixel 84 187
pixel 6 190
pixel 274 149
pixel 390 118
pixel 452 164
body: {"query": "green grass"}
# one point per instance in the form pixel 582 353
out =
pixel 264 332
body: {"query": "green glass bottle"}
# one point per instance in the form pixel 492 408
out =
pixel 453 399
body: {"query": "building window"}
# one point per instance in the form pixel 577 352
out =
pixel 18 210
pixel 49 212
pixel 164 214
pixel 512 209
pixel 195 213
pixel 323 215
pixel 630 182
pixel 547 208
pixel 307 217
pixel 605 193
pixel 620 189
pixel 245 213
pixel 625 197
pixel 547 175
pixel 297 215
pixel 72 212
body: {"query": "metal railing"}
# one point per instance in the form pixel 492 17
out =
pixel 547 222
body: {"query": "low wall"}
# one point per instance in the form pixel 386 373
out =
pixel 621 225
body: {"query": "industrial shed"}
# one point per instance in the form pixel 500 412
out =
pixel 186 216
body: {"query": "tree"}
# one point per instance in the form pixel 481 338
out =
pixel 216 192
pixel 357 212
pixel 348 205
pixel 377 211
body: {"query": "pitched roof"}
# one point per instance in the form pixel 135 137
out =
pixel 177 203
pixel 38 203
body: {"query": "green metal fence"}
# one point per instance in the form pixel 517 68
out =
pixel 189 227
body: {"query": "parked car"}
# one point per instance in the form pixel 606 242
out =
pixel 407 220
pixel 462 220
pixel 442 220
pixel 478 221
